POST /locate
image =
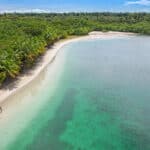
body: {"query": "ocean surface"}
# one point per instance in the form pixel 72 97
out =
pixel 94 96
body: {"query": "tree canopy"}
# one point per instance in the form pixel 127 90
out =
pixel 24 37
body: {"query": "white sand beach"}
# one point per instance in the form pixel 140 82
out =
pixel 34 90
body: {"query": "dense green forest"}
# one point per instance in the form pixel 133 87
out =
pixel 24 37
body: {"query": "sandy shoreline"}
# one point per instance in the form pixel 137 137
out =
pixel 49 55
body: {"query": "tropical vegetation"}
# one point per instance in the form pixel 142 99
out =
pixel 24 37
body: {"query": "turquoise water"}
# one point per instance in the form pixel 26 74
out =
pixel 98 100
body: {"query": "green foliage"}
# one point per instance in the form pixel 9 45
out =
pixel 2 77
pixel 23 37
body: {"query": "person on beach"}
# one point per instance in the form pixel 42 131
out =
pixel 1 110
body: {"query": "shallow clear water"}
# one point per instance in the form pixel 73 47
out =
pixel 99 99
